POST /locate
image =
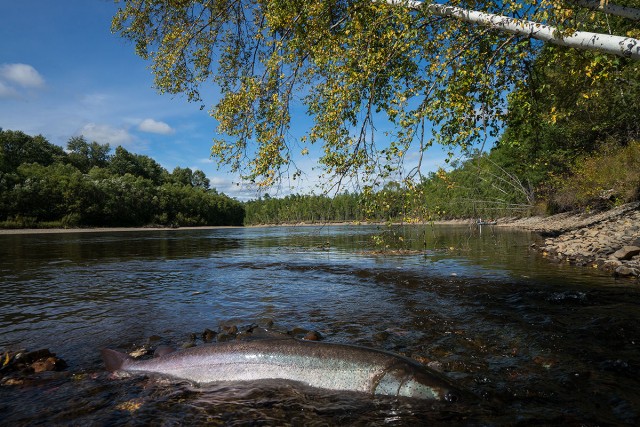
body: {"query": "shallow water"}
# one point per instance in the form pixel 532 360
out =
pixel 535 342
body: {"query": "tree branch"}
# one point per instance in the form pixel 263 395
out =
pixel 605 43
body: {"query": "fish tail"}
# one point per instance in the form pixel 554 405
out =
pixel 114 360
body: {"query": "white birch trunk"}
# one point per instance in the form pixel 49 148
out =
pixel 605 43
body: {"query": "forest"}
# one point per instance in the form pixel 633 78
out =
pixel 43 185
pixel 568 139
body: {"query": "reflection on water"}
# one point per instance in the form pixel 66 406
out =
pixel 549 342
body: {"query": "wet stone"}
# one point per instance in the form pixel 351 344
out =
pixel 223 336
pixel 208 335
pixel 230 329
pixel 625 271
pixel 312 336
pixel 266 323
pixel 27 362
pixel 48 364
pixel 298 331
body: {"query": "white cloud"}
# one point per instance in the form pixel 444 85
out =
pixel 7 91
pixel 152 126
pixel 22 75
pixel 105 134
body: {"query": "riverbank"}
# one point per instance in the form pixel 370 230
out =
pixel 608 240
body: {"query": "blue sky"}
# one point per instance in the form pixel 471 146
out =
pixel 63 73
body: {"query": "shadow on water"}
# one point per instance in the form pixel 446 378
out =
pixel 537 343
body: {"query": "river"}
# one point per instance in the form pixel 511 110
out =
pixel 533 341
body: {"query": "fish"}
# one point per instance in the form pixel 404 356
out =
pixel 339 367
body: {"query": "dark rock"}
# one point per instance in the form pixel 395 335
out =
pixel 266 323
pixel 230 329
pixel 627 252
pixel 51 363
pixel 32 356
pixel 223 336
pixel 600 262
pixel 612 264
pixel 298 331
pixel 625 271
pixel 312 336
pixel 208 335
pixel 35 361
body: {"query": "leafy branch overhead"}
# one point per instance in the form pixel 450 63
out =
pixel 352 65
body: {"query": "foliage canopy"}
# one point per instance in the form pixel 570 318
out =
pixel 353 66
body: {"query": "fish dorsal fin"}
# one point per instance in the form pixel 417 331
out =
pixel 114 360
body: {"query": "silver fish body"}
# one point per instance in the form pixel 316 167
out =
pixel 321 365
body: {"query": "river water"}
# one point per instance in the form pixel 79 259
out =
pixel 533 341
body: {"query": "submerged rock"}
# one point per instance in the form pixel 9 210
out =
pixel 312 336
pixel 208 335
pixel 625 271
pixel 28 362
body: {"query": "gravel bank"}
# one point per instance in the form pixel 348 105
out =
pixel 606 240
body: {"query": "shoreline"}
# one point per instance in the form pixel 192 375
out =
pixel 608 240
pixel 7 231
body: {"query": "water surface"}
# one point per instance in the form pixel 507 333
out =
pixel 536 342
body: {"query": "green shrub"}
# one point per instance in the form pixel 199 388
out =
pixel 71 220
pixel 600 180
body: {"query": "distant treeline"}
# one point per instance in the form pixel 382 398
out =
pixel 304 208
pixel 42 185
